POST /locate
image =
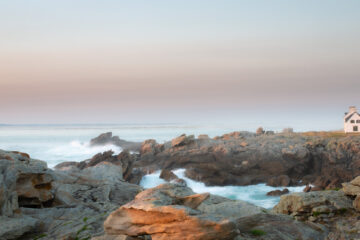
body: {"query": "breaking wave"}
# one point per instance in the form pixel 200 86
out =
pixel 75 151
pixel 255 194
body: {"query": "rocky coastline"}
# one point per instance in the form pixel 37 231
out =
pixel 244 158
pixel 100 198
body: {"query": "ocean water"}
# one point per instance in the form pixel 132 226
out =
pixel 255 194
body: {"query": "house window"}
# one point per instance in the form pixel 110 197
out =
pixel 352 121
pixel 355 128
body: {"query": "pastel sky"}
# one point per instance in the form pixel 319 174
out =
pixel 293 63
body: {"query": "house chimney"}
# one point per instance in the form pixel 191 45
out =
pixel 352 109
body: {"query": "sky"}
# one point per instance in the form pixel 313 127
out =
pixel 289 63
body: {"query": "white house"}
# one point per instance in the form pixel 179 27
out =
pixel 352 121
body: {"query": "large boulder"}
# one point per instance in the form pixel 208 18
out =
pixel 107 156
pixel 151 147
pixel 34 189
pixel 353 190
pixel 171 212
pixel 104 171
pixel 305 204
pixel 333 211
pixel 100 184
pixel 356 181
pixel 102 139
pixel 350 189
pixel 23 182
pixel 182 140
pixel 123 163
pixel 108 138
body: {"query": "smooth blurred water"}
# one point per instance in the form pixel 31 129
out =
pixel 59 143
pixel 255 194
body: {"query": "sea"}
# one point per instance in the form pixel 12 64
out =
pixel 58 143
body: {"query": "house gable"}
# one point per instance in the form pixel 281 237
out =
pixel 352 116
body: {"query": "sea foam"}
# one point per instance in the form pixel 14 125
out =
pixel 75 151
pixel 255 194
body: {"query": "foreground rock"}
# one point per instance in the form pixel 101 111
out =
pixel 37 201
pixel 108 138
pixel 303 205
pixel 334 210
pixel 169 212
pixel 352 189
pixel 173 212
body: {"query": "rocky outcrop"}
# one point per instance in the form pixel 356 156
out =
pixel 352 189
pixel 151 147
pixel 123 162
pixel 23 182
pixel 69 204
pixel 334 210
pixel 303 205
pixel 108 138
pixel 243 158
pixel 182 140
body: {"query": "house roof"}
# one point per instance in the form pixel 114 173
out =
pixel 350 116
